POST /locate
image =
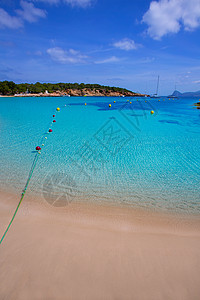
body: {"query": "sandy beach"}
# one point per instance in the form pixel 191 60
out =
pixel 99 150
pixel 88 251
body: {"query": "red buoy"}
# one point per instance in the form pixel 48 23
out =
pixel 38 148
pixel 50 130
pixel 54 121
pixel 54 116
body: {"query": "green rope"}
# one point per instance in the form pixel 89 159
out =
pixel 23 194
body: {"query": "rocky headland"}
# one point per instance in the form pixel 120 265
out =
pixel 81 93
pixel 9 88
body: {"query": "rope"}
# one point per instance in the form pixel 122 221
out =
pixel 26 186
pixel 22 196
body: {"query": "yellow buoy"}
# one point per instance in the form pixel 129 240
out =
pixel 85 103
pixel 109 105
pixel 114 101
pixel 152 112
pixel 130 102
pixel 58 108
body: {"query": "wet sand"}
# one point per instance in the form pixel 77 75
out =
pixel 86 251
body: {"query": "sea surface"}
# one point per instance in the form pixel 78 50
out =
pixel 120 154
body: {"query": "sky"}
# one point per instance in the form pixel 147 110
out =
pixel 125 43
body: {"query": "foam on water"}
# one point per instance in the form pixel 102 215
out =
pixel 97 153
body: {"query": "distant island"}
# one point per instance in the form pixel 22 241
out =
pixel 9 88
pixel 185 95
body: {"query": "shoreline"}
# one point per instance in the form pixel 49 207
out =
pixel 165 212
pixel 55 95
pixel 89 251
pixel 34 202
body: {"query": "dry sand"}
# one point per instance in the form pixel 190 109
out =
pixel 97 252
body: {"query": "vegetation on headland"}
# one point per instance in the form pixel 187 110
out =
pixel 9 88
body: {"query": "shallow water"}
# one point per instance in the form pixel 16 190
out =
pixel 120 153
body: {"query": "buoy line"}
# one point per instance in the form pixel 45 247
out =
pixel 38 149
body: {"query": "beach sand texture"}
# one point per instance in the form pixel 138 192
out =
pixel 88 251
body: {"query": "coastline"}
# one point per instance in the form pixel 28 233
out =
pixel 77 93
pixel 62 95
pixel 63 89
pixel 89 251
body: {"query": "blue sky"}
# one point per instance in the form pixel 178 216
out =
pixel 112 42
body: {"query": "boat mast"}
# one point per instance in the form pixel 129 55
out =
pixel 157 86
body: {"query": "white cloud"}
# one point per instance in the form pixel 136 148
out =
pixel 66 56
pixel 29 12
pixel 167 16
pixel 47 1
pixel 197 81
pixel 9 21
pixel 81 3
pixel 126 44
pixel 108 60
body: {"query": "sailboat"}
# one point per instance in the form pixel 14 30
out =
pixel 172 97
pixel 156 94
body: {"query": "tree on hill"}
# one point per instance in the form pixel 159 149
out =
pixel 11 88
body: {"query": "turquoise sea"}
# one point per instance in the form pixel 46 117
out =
pixel 122 154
